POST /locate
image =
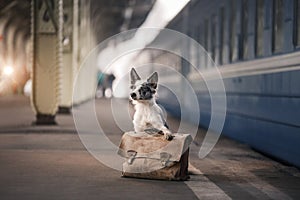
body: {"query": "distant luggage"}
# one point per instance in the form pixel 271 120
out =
pixel 154 157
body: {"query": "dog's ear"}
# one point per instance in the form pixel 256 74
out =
pixel 153 78
pixel 134 76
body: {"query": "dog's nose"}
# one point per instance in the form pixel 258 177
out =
pixel 133 95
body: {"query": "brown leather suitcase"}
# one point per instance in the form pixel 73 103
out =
pixel 154 157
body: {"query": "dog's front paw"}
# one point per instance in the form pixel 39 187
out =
pixel 168 136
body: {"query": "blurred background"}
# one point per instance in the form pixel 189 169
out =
pixel 96 21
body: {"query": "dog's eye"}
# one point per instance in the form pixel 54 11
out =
pixel 132 87
pixel 153 85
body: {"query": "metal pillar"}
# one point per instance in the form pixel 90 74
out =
pixel 47 22
pixel 87 78
pixel 70 49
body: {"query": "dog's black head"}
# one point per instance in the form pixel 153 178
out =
pixel 142 90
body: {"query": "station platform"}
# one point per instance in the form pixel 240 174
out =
pixel 50 162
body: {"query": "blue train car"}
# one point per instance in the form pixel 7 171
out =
pixel 256 47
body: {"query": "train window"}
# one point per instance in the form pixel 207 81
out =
pixel 245 20
pixel 233 32
pixel 259 27
pixel 297 23
pixel 278 26
pixel 205 38
pixel 213 37
pixel 198 34
pixel 205 42
pixel 193 48
pixel 222 33
pixel 198 39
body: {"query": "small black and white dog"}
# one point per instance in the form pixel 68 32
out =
pixel 148 115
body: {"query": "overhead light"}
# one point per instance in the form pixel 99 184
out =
pixel 66 41
pixel 8 71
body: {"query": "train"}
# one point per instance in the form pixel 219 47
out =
pixel 255 47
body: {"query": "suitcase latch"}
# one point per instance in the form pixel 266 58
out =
pixel 164 158
pixel 131 156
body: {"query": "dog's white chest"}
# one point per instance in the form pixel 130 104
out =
pixel 147 116
pixel 145 113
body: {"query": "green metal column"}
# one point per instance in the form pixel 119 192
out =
pixel 86 73
pixel 70 49
pixel 47 21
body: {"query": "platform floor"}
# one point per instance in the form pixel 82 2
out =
pixel 49 162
